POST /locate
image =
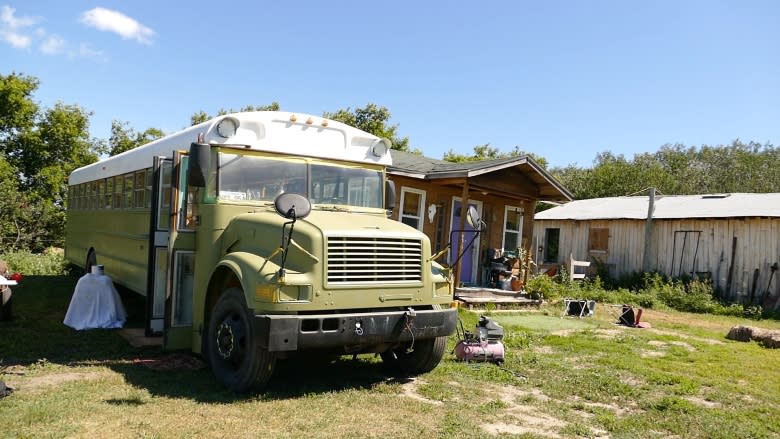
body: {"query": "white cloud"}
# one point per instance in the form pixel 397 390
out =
pixel 16 40
pixel 12 27
pixel 9 20
pixel 87 52
pixel 118 23
pixel 52 45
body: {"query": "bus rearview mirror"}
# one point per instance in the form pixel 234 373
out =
pixel 200 157
pixel 292 206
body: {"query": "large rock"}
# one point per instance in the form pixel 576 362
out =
pixel 765 337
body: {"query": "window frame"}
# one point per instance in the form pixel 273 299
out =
pixel 420 206
pixel 519 232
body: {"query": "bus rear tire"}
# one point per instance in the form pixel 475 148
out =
pixel 236 359
pixel 424 357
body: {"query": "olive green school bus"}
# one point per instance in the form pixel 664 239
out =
pixel 261 236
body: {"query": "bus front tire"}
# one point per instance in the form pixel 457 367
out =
pixel 424 357
pixel 236 359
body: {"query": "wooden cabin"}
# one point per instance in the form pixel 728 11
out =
pixel 430 194
pixel 734 239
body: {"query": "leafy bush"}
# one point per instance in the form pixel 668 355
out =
pixel 545 287
pixel 650 290
pixel 50 263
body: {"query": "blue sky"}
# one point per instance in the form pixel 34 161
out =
pixel 562 79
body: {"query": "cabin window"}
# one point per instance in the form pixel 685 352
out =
pixel 513 227
pixel 412 205
pixel 598 240
pixel 551 242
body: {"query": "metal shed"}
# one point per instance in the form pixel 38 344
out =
pixel 732 238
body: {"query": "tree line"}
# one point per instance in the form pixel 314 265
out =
pixel 40 147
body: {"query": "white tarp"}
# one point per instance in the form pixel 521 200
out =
pixel 95 304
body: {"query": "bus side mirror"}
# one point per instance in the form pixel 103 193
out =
pixel 200 157
pixel 389 195
pixel 474 220
pixel 292 206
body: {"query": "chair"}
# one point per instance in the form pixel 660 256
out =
pixel 495 265
pixel 573 264
pixel 579 308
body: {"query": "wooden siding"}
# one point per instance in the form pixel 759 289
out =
pixel 675 243
pixel 492 213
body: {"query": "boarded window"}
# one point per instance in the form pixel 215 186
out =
pixel 598 240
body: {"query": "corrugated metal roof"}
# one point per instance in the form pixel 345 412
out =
pixel 737 205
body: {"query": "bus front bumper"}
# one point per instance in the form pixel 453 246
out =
pixel 353 330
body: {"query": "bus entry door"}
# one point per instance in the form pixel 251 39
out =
pixel 181 260
pixel 159 234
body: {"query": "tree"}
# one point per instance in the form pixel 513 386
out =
pixel 201 116
pixel 373 119
pixel 487 152
pixel 678 170
pixel 17 109
pixel 124 138
pixel 39 149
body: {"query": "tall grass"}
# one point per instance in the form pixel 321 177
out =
pixel 50 263
pixel 646 291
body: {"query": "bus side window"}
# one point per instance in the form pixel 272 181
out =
pixel 191 218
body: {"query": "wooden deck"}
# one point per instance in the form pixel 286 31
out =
pixel 480 296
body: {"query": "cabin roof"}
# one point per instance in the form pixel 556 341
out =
pixel 733 205
pixel 426 168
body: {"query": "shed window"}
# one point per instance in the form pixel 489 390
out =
pixel 598 240
pixel 412 205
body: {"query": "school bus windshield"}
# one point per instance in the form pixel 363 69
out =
pixel 256 178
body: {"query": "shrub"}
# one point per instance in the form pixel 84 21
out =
pixel 50 263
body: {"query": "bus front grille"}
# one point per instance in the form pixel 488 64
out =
pixel 358 260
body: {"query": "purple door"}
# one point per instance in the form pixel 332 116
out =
pixel 467 260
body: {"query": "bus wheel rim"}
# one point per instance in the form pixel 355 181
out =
pixel 230 339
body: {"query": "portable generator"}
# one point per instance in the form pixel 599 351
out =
pixel 482 345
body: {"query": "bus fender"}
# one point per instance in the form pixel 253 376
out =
pixel 250 269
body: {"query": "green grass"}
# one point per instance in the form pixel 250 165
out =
pixel 563 377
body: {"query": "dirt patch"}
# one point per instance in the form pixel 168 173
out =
pixel 410 391
pixel 497 428
pixel 684 345
pixel 651 354
pixel 601 333
pixel 703 402
pixel 529 419
pixel 619 411
pixel 544 350
pixel 710 341
pixel 53 379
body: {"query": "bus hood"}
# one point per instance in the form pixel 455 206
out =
pixel 329 222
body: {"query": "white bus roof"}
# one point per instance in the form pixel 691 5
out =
pixel 274 131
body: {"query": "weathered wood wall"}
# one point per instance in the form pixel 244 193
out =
pixel 675 246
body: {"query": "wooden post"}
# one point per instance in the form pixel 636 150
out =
pixel 464 206
pixel 649 232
